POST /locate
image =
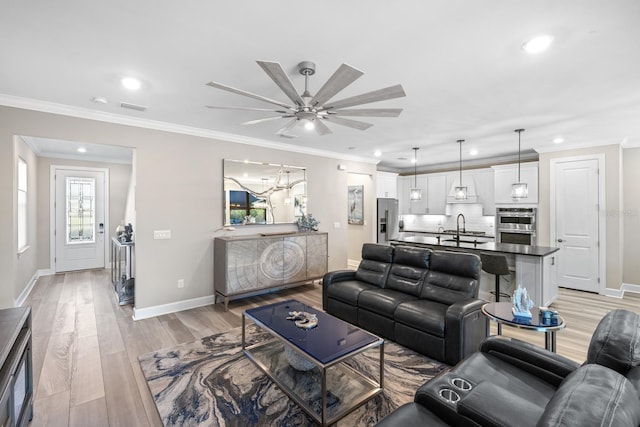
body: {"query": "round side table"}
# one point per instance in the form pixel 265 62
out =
pixel 500 312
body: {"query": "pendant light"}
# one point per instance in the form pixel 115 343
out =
pixel 416 193
pixel 287 200
pixel 519 189
pixel 460 191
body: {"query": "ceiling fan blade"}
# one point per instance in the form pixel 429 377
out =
pixel 268 119
pixel 321 128
pixel 356 124
pixel 280 77
pixel 370 112
pixel 390 92
pixel 245 93
pixel 215 107
pixel 283 130
pixel 343 77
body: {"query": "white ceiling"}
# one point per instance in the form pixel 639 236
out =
pixel 460 62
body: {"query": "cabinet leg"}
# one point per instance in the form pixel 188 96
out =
pixel 226 303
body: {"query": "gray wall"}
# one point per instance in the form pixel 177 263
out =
pixel 178 187
pixel 631 215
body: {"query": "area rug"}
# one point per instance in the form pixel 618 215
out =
pixel 210 382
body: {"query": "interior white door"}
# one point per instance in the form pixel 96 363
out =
pixel 577 224
pixel 79 219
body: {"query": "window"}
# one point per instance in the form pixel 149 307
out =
pixel 22 205
pixel 246 207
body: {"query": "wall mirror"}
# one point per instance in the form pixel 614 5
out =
pixel 263 193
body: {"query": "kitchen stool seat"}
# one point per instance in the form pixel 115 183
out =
pixel 497 265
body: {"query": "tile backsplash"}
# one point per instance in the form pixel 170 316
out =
pixel 475 221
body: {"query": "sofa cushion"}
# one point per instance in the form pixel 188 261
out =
pixel 383 301
pixel 616 341
pixel 427 316
pixel 348 290
pixel 408 270
pixel 452 277
pixel 375 265
pixel 593 395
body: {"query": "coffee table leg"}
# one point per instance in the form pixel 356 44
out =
pixel 550 341
pixel 243 336
pixel 382 365
pixel 324 397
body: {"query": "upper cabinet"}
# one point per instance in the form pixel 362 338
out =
pixel 386 185
pixel 505 175
pixel 434 194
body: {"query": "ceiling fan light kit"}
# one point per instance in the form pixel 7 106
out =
pixel 519 190
pixel 460 191
pixel 316 109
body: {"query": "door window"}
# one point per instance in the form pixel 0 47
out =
pixel 81 213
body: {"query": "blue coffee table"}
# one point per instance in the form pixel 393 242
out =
pixel 332 388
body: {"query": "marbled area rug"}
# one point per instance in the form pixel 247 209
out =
pixel 211 382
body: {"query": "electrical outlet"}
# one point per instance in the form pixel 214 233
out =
pixel 162 234
pixel 180 283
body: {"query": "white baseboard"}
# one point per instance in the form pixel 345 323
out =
pixel 26 291
pixel 619 293
pixel 353 264
pixel 46 272
pixel 158 310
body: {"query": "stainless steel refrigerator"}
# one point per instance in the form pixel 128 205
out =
pixel 387 220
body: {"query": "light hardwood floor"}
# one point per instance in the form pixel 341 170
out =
pixel 85 346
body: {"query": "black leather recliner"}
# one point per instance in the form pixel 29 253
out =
pixel 513 383
pixel 425 300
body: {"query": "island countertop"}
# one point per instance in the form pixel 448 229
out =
pixel 509 248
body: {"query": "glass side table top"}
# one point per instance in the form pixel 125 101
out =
pixel 330 340
pixel 501 312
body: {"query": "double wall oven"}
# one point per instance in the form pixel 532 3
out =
pixel 516 225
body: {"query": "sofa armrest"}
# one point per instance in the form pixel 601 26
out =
pixel 464 329
pixel 542 363
pixel 334 277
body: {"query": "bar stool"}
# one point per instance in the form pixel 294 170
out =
pixel 497 265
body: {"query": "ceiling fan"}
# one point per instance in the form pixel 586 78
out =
pixel 315 110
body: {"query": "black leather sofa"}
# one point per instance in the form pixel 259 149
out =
pixel 422 299
pixel 512 383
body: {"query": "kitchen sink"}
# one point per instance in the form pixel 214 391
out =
pixel 475 242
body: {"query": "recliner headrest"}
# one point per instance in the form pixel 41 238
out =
pixel 377 252
pixel 616 341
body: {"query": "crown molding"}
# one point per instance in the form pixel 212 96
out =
pixel 578 146
pixel 85 113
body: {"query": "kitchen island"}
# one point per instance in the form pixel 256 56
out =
pixel 534 266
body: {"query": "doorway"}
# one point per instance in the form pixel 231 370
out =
pixel 576 207
pixel 79 201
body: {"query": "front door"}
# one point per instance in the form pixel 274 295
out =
pixel 576 219
pixel 79 209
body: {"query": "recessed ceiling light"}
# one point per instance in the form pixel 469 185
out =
pixel 99 100
pixel 558 140
pixel 82 150
pixel 473 152
pixel 537 44
pixel 131 83
pixel 377 153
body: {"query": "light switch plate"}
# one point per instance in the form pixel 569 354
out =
pixel 161 234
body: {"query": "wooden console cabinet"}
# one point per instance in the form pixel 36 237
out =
pixel 248 265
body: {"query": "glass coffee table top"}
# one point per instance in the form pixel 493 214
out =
pixel 330 340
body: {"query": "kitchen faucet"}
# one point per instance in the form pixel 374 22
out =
pixel 464 227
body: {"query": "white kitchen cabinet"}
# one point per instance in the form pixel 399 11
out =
pixel 505 175
pixel 436 194
pixel 484 180
pixel 404 186
pixel 386 185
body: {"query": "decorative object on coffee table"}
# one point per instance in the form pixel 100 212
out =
pixel 303 319
pixel 521 303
